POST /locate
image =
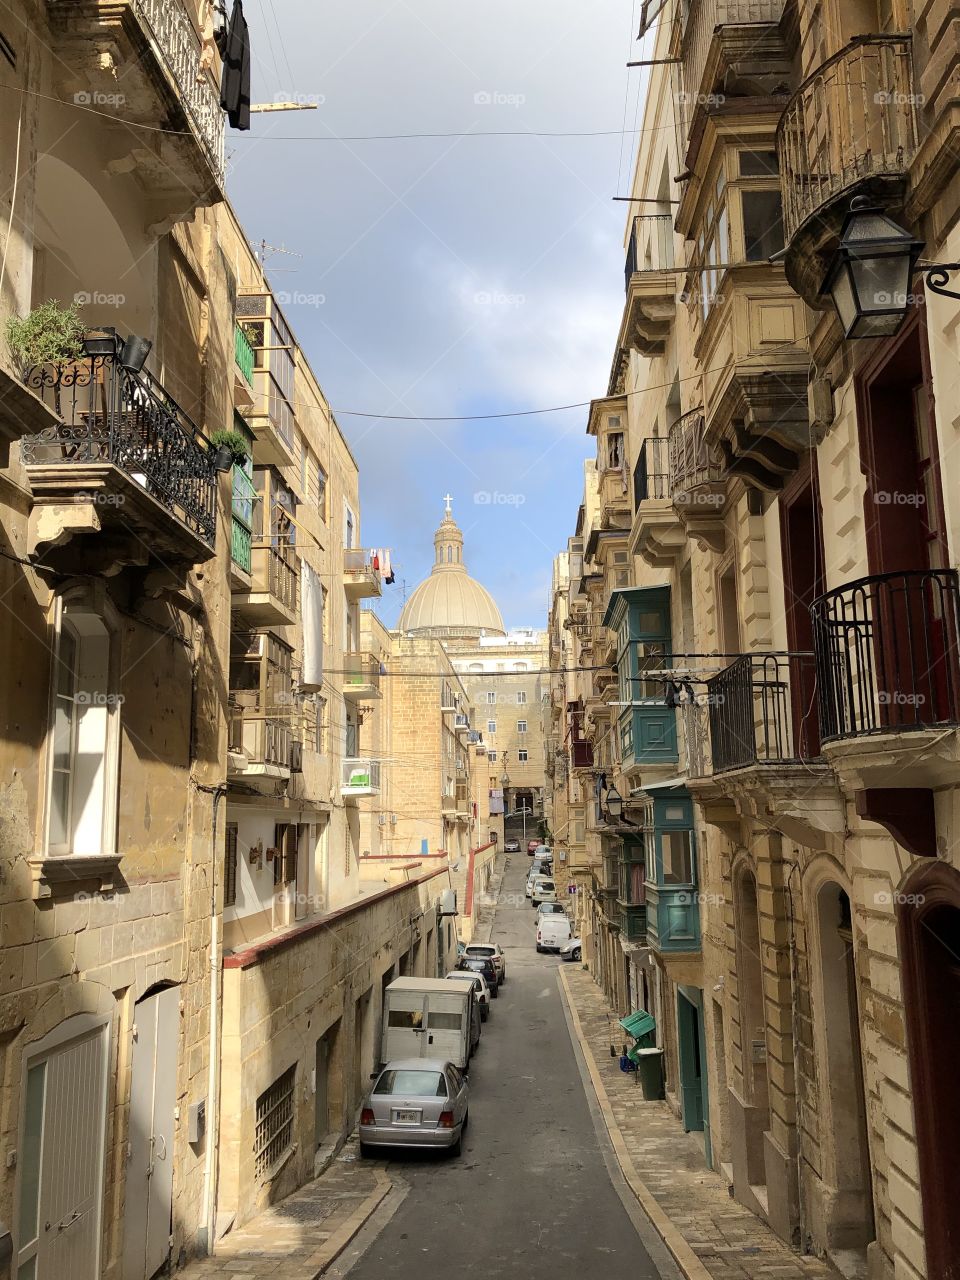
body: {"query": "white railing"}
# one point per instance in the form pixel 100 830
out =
pixel 176 38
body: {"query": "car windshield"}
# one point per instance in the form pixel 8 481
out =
pixel 551 909
pixel 546 884
pixel 480 963
pixel 423 1084
pixel 479 951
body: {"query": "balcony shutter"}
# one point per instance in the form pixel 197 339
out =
pixel 230 867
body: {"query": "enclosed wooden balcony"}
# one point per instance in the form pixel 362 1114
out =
pixel 362 579
pixel 712 24
pixel 121 475
pixel 851 129
pixel 259 745
pixel 142 60
pixel 361 680
pixel 271 598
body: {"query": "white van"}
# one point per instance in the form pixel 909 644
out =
pixel 552 931
pixel 430 1018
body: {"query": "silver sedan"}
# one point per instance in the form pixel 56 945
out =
pixel 416 1102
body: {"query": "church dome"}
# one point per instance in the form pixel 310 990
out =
pixel 450 603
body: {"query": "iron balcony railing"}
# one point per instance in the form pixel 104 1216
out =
pixel 111 415
pixel 854 118
pixel 178 42
pixel 887 655
pixel 243 353
pixel 651 475
pixel 692 462
pixel 763 711
pixel 650 247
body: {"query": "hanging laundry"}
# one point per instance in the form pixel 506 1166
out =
pixel 235 82
pixel 386 567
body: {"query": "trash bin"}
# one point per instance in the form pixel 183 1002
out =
pixel 650 1070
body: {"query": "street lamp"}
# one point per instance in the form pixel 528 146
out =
pixel 869 278
pixel 614 804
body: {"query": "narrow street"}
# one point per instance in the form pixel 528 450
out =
pixel 531 1196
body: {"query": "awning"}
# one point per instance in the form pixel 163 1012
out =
pixel 639 1023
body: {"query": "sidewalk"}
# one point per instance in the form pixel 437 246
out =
pixel 487 907
pixel 301 1236
pixel 709 1234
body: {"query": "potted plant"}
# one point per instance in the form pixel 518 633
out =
pixel 230 448
pixel 50 334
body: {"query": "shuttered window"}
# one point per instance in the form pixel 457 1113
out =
pixel 230 867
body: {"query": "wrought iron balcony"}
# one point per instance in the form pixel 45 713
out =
pixel 762 711
pixel 155 60
pixel 656 534
pixel 851 127
pixel 361 777
pixel 123 447
pixel 271 598
pixel 361 680
pixel 362 579
pixel 651 245
pixel 650 306
pixel 887 654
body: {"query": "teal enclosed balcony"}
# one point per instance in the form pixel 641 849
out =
pixel 639 617
pixel 671 883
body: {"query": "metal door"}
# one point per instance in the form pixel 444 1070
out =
pixel 153 1089
pixel 61 1161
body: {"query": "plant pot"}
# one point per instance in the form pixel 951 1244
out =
pixel 134 354
pixel 100 342
pixel 223 458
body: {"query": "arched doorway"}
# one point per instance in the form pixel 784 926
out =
pixel 928 912
pixel 849 1222
pixel 749 1164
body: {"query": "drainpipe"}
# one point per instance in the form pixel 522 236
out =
pixel 207 1231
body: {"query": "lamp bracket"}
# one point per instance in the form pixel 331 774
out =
pixel 937 278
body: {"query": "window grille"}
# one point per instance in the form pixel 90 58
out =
pixel 230 867
pixel 274 1132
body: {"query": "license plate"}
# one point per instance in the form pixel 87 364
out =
pixel 406 1117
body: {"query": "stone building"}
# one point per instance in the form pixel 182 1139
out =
pixel 774 777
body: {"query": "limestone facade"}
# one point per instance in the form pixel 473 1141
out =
pixel 786 853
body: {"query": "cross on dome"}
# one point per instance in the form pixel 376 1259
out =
pixel 448 498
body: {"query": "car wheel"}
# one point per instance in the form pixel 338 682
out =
pixel 576 954
pixel 539 948
pixel 484 1013
pixel 457 1148
pixel 366 1151
pixel 495 993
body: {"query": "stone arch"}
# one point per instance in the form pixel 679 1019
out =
pixel 928 924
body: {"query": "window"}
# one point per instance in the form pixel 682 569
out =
pixel 420 1084
pixel 521 726
pixel 677 857
pixel 318 491
pixel 349 528
pixel 230 867
pixel 712 251
pixel 320 735
pixel 522 696
pixel 273 1135
pixel 522 755
pixel 762 224
pixel 492 757
pixel 491 726
pixel 491 696
pixel 84 733
pixel 615 451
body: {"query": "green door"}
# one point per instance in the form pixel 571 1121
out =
pixel 690 1049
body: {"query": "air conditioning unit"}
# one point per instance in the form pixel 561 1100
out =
pixel 382 820
pixel 393 819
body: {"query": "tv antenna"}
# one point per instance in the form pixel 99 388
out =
pixel 264 250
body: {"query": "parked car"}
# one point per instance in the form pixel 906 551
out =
pixel 553 930
pixel 536 879
pixel 571 949
pixel 532 846
pixel 484 965
pixel 495 952
pixel 544 890
pixel 511 846
pixel 551 909
pixel 416 1102
pixel 479 986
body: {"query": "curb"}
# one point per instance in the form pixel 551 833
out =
pixel 353 1225
pixel 683 1254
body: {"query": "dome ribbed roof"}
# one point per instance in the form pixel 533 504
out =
pixel 450 602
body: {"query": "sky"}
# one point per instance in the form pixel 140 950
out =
pixel 449 276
